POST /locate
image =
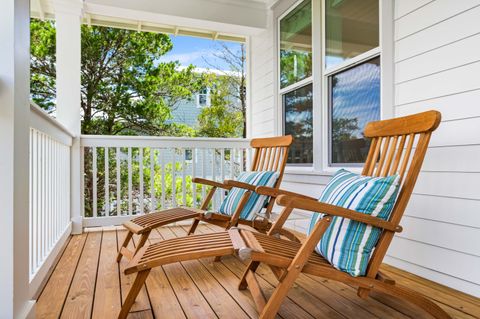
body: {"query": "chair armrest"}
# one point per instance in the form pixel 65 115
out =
pixel 275 192
pixel 316 206
pixel 210 183
pixel 231 183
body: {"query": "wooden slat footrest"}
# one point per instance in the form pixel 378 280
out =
pixel 156 219
pixel 181 249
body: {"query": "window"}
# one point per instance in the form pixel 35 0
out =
pixel 203 98
pixel 295 80
pixel 352 77
pixel 353 102
pixel 351 28
pixel 299 123
pixel 337 43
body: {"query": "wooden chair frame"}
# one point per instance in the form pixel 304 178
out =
pixel 391 150
pixel 270 154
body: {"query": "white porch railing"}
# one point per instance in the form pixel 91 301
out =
pixel 49 200
pixel 129 175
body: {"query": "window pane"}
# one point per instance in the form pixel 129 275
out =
pixel 354 101
pixel 351 29
pixel 296 45
pixel 299 124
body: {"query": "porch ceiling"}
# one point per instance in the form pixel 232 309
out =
pixel 229 20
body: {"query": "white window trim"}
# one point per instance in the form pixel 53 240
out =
pixel 207 101
pixel 385 50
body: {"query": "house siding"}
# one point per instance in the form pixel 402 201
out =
pixel 262 88
pixel 436 66
pixel 437 62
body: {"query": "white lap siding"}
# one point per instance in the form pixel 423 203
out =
pixel 437 66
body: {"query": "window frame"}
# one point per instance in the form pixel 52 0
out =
pixel 319 79
pixel 207 98
pixel 295 86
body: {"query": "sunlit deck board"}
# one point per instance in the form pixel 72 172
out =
pixel 87 282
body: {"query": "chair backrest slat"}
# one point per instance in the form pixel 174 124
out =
pixel 398 156
pixel 271 155
pixel 391 152
pixel 398 146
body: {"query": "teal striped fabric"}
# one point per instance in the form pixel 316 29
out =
pixel 348 244
pixel 255 202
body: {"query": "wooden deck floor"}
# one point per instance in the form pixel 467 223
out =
pixel 88 283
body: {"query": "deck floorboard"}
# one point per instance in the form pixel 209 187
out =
pixel 88 283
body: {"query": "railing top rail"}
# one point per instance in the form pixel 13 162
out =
pixel 42 121
pixel 162 141
pixel 39 111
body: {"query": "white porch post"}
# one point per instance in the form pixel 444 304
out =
pixel 68 14
pixel 14 163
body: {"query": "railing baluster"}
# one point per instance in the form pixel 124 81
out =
pixel 44 193
pixel 174 179
pixel 214 178
pixel 140 175
pixel 242 166
pixel 48 198
pixel 30 208
pixel 162 165
pixel 194 174
pixel 152 179
pixel 129 163
pixel 107 183
pixel 232 171
pixel 222 172
pixel 119 190
pixel 184 168
pixel 204 169
pixel 94 181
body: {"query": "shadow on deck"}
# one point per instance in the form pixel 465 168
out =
pixel 88 283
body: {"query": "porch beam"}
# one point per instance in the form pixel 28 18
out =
pixel 14 164
pixel 68 18
pixel 244 17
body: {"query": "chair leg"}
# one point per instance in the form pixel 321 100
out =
pixel 194 226
pixel 133 293
pixel 363 292
pixel 142 241
pixel 252 266
pixel 124 245
pixel 271 308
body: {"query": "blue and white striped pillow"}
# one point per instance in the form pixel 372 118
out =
pixel 348 244
pixel 255 202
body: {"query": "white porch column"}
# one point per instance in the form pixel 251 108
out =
pixel 68 14
pixel 14 163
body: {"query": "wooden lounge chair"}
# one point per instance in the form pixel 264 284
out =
pixel 270 155
pixel 393 150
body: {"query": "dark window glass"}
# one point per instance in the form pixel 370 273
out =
pixel 354 101
pixel 351 29
pixel 296 45
pixel 298 123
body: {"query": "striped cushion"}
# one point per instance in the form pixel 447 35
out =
pixel 255 202
pixel 348 244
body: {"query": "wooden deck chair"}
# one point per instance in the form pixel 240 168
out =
pixel 390 152
pixel 270 154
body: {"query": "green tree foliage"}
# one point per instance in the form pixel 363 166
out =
pixel 42 64
pixel 221 118
pixel 125 89
pixel 227 113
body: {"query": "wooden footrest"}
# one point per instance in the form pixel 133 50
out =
pixel 156 219
pixel 185 248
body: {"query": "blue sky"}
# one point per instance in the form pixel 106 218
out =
pixel 191 50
